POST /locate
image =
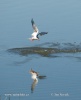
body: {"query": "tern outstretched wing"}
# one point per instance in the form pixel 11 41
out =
pixel 42 33
pixel 34 26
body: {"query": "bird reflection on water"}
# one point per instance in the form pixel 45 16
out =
pixel 35 76
pixel 35 79
pixel 33 85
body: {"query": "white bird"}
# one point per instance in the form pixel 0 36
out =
pixel 35 34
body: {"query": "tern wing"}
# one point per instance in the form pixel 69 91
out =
pixel 42 33
pixel 34 26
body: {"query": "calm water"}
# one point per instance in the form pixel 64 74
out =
pixel 62 19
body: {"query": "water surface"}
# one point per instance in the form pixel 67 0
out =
pixel 62 20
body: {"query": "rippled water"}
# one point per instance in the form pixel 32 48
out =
pixel 62 20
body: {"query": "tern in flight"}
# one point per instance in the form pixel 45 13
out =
pixel 35 34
